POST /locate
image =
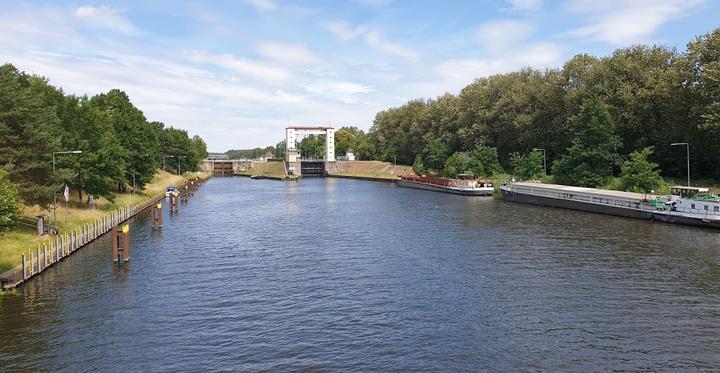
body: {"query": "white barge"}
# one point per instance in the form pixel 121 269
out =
pixel 686 205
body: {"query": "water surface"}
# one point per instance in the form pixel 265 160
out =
pixel 334 274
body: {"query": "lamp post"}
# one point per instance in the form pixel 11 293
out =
pixel 687 146
pixel 55 191
pixel 544 159
pixel 178 158
pixel 166 156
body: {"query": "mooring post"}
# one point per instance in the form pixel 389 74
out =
pixel 24 269
pixel 156 218
pixel 45 255
pixel 121 243
pixel 174 205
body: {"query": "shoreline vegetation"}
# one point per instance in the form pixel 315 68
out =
pixel 16 242
pixel 630 120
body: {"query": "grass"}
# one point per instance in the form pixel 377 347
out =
pixel 372 169
pixel 15 243
pixel 269 169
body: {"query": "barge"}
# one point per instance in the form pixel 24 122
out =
pixel 685 205
pixel 464 184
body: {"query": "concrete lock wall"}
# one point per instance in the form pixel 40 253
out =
pixel 292 154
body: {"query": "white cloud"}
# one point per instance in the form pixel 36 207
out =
pixel 262 5
pixel 455 74
pixel 525 5
pixel 105 17
pixel 345 31
pixel 374 40
pixel 243 66
pixel 498 36
pixel 288 53
pixel 347 92
pixel 94 11
pixel 374 3
pixel 624 22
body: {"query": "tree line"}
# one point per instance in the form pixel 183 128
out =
pixel 588 118
pixel 114 145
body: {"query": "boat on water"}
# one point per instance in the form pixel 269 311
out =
pixel 464 184
pixel 685 205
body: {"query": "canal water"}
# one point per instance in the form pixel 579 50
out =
pixel 335 274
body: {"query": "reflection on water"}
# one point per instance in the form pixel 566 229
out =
pixel 330 274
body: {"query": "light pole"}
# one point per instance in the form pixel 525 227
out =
pixel 166 156
pixel 544 159
pixel 687 146
pixel 178 158
pixel 55 191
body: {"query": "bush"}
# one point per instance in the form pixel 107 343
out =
pixel 9 212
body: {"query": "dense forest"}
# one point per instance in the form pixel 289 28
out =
pixel 100 144
pixel 590 117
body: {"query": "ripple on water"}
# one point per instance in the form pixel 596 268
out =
pixel 332 274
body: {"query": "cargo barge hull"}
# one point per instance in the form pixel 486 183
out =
pixel 660 216
pixel 444 189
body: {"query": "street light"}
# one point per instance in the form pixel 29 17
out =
pixel 166 156
pixel 182 156
pixel 544 159
pixel 55 191
pixel 688 157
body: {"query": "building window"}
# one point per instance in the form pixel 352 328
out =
pixel 706 207
pixel 692 206
pixel 716 208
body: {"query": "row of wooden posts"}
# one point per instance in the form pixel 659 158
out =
pixel 55 250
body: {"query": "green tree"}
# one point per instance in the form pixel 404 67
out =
pixel 638 174
pixel 139 138
pixel 594 151
pixel 9 211
pixel 527 166
pixel 200 147
pixel 343 141
pixel 365 151
pixel 418 166
pixel 28 137
pixel 435 152
pixel 457 163
pixel 485 161
pixel 101 165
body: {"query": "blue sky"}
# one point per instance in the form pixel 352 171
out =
pixel 236 72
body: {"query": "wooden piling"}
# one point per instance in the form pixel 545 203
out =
pixel 121 243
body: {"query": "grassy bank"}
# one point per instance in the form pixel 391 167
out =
pixel 371 170
pixel 273 169
pixel 15 243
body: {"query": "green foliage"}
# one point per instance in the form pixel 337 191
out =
pixel 312 146
pixel 138 138
pixel 482 161
pixel 654 95
pixel 9 211
pixel 594 151
pixel 28 135
pixel 638 174
pixel 418 166
pixel 100 167
pixel 485 161
pixel 255 153
pixel 117 143
pixel 365 151
pixel 186 152
pixel 435 152
pixel 527 166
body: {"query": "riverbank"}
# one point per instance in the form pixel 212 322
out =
pixel 370 170
pixel 15 243
pixel 268 170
